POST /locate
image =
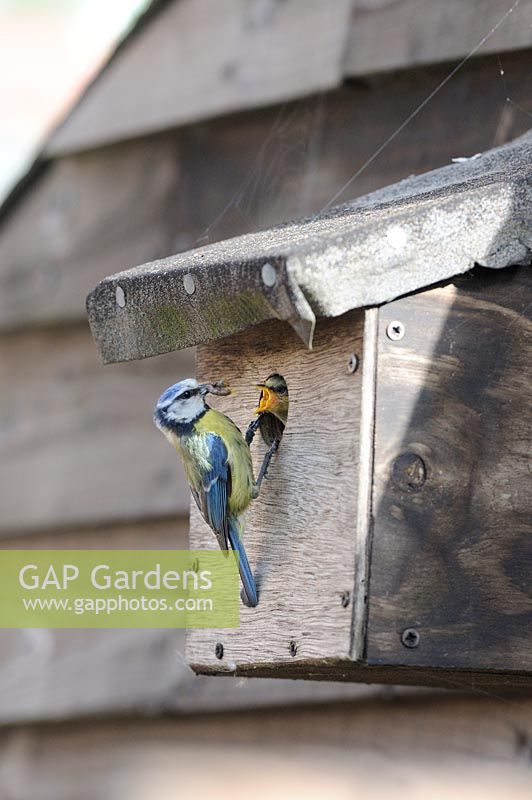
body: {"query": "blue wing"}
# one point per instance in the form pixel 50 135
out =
pixel 212 500
pixel 216 489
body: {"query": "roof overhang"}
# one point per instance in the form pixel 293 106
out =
pixel 399 239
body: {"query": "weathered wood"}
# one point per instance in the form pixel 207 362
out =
pixel 451 551
pixel 77 441
pixel 300 532
pixel 88 216
pixel 58 674
pixel 359 254
pixel 403 33
pixel 204 58
pixel 67 674
pixel 94 214
pixel 207 58
pixel 322 752
pixel 365 482
pixel 450 554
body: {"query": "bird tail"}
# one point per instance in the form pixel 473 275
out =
pixel 246 576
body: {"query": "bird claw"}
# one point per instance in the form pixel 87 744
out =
pixel 265 466
pixel 252 429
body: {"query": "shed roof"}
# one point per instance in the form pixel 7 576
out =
pixel 399 239
pixel 186 61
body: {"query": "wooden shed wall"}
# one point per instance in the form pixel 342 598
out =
pixel 81 465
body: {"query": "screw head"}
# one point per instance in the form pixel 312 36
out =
pixel 189 284
pixel 395 330
pixel 352 364
pixel 120 297
pixel 410 638
pixel 292 648
pixel 219 650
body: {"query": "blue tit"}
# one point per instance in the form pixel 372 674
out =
pixel 217 464
pixel 271 420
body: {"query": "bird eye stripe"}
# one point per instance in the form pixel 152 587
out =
pixel 187 394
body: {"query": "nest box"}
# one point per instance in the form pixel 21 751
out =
pixel 392 538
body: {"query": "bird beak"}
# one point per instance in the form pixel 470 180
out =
pixel 267 398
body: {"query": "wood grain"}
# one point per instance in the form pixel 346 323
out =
pixel 90 216
pixel 206 59
pixel 402 33
pixel 96 213
pixel 60 674
pixel 77 440
pixel 48 675
pixel 451 554
pixel 300 533
pixel 365 484
pixel 417 743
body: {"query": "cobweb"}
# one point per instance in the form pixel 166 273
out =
pixel 264 180
pixel 295 137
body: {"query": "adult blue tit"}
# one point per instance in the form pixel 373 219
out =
pixel 217 464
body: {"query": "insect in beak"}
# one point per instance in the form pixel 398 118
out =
pixel 218 388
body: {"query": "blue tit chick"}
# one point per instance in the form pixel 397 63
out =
pixel 272 408
pixel 217 464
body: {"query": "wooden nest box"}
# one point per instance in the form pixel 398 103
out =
pixel 392 539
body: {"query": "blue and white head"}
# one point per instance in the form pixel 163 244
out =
pixel 181 405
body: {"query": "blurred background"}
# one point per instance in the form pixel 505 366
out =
pixel 50 49
pixel 132 130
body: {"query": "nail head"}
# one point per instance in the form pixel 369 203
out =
pixel 120 297
pixel 269 274
pixel 352 365
pixel 189 284
pixel 219 650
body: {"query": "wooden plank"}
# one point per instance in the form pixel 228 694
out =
pixel 451 544
pixel 403 33
pixel 241 56
pixel 96 213
pixel 89 216
pixel 66 674
pixel 58 674
pixel 315 752
pixel 77 440
pixel 363 530
pixel 203 58
pixel 300 533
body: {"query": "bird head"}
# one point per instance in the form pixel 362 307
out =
pixel 181 404
pixel 273 397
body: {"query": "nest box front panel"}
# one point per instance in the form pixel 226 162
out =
pixel 300 532
pixel 451 557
